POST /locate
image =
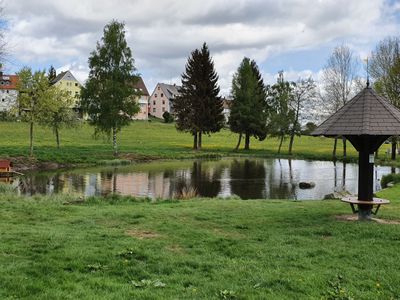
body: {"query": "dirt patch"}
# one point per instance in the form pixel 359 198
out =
pixel 133 157
pixel 350 218
pixel 175 248
pixel 23 164
pixel 142 234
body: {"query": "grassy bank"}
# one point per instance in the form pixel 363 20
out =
pixel 119 248
pixel 145 140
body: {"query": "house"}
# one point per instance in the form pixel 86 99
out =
pixel 160 99
pixel 5 166
pixel 227 104
pixel 8 91
pixel 67 82
pixel 143 101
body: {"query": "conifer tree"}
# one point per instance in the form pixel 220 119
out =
pixel 249 111
pixel 109 94
pixel 51 75
pixel 198 109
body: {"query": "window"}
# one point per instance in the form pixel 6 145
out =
pixel 154 110
pixel 163 102
pixel 158 88
pixel 154 102
pixel 8 91
pixel 2 100
pixel 163 109
pixel 76 84
pixel 162 95
pixel 155 95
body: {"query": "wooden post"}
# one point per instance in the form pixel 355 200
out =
pixel 365 183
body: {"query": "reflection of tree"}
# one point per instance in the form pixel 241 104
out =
pixel 282 187
pixel 107 183
pixel 202 177
pixel 45 183
pixel 206 180
pixel 248 179
pixel 32 184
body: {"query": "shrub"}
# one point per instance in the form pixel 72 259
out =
pixel 395 178
pixel 168 118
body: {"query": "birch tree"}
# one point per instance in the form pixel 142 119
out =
pixel 338 79
pixel 109 95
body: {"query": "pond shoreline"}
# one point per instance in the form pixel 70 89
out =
pixel 30 164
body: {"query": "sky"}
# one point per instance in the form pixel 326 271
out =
pixel 296 36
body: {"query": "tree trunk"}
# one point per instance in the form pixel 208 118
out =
pixel 195 141
pixel 200 140
pixel 31 139
pixel 280 144
pixel 291 143
pixel 334 149
pixel 57 138
pixel 394 144
pixel 344 147
pixel 247 142
pixel 239 141
pixel 115 147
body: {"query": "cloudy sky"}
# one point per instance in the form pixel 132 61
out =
pixel 296 36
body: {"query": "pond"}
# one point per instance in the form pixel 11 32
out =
pixel 247 178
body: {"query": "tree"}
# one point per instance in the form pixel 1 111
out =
pixel 168 118
pixel 310 127
pixel 51 75
pixel 280 96
pixel 34 98
pixel 249 111
pixel 109 95
pixel 338 80
pixel 198 109
pixel 60 114
pixel 304 92
pixel 382 68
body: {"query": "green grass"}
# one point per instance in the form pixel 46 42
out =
pixel 144 140
pixel 121 248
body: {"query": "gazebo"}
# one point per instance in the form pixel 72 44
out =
pixel 367 121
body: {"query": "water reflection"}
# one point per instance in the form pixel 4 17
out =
pixel 244 177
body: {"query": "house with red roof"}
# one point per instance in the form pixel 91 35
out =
pixel 8 91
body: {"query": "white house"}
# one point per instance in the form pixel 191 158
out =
pixel 8 91
pixel 160 99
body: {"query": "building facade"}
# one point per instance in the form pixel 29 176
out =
pixel 8 92
pixel 160 99
pixel 67 82
pixel 143 101
pixel 227 104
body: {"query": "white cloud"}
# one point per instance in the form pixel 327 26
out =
pixel 163 33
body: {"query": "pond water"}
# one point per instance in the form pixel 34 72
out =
pixel 248 178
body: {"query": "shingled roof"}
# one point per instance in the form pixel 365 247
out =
pixel 366 114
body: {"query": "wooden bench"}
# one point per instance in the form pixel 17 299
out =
pixel 376 201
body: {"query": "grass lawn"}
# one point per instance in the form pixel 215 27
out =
pixel 119 248
pixel 146 139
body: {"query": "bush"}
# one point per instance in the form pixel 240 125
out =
pixel 7 188
pixel 168 118
pixel 7 116
pixel 395 178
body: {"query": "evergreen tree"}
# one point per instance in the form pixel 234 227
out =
pixel 109 94
pixel 249 111
pixel 51 75
pixel 198 109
